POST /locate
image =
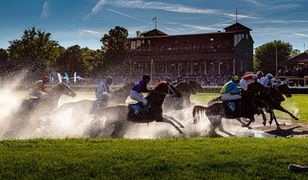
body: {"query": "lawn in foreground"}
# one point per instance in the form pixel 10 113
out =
pixel 227 158
pixel 297 104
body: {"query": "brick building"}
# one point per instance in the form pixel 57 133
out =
pixel 192 55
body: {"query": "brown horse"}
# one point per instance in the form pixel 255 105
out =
pixel 216 111
pixel 152 113
pixel 20 122
pixel 187 88
pixel 274 102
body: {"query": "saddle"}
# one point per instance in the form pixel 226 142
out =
pixel 137 111
pixel 232 108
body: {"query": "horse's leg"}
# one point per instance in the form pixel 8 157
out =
pixel 277 124
pixel 240 121
pixel 174 120
pixel 224 131
pixel 166 120
pixel 263 117
pixel 280 108
pixel 251 119
pixel 271 116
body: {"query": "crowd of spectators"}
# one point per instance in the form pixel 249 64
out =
pixel 299 71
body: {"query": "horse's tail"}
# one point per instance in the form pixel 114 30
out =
pixel 214 100
pixel 198 109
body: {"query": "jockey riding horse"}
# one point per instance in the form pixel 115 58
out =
pixel 153 112
pixel 244 107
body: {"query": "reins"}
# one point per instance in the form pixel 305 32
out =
pixel 169 89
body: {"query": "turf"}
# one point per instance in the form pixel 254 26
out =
pixel 297 104
pixel 220 158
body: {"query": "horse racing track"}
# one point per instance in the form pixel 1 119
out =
pixel 78 122
pixel 163 152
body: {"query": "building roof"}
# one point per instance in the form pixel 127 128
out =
pixel 301 58
pixel 237 27
pixel 187 35
pixel 154 32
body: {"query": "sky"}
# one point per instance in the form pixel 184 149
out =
pixel 84 22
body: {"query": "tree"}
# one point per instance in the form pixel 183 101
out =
pixel 71 60
pixel 91 60
pixel 265 55
pixel 115 47
pixel 295 52
pixel 3 55
pixel 34 47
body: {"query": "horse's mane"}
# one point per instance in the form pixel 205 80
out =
pixel 160 83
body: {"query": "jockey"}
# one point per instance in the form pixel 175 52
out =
pixel 168 79
pixel 276 80
pixel 247 79
pixel 266 81
pixel 138 88
pixel 230 91
pixel 38 91
pixel 102 92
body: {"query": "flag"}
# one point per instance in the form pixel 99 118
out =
pixel 154 18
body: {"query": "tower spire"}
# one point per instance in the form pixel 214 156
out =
pixel 155 22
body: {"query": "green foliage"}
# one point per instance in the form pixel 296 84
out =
pixel 295 52
pixel 115 47
pixel 81 60
pixel 71 60
pixel 265 55
pixel 3 55
pixel 34 47
pixel 219 158
pixel 92 59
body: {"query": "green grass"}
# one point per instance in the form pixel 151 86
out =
pixel 220 158
pixel 297 104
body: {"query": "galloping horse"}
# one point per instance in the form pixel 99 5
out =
pixel 187 88
pixel 275 103
pixel 153 112
pixel 216 111
pixel 46 105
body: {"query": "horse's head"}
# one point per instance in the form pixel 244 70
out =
pixel 257 88
pixel 62 88
pixel 284 89
pixel 194 84
pixel 166 88
pixel 276 95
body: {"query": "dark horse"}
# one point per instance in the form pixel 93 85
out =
pixel 187 88
pixel 153 112
pixel 218 110
pixel 20 121
pixel 274 102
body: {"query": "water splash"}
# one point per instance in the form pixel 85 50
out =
pixel 70 122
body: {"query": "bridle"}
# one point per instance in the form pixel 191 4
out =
pixel 194 89
pixel 169 90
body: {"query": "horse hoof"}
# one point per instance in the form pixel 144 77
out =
pixel 264 123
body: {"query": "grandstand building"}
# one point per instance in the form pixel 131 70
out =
pixel 192 55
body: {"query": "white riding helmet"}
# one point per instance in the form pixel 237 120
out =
pixel 109 79
pixel 269 75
